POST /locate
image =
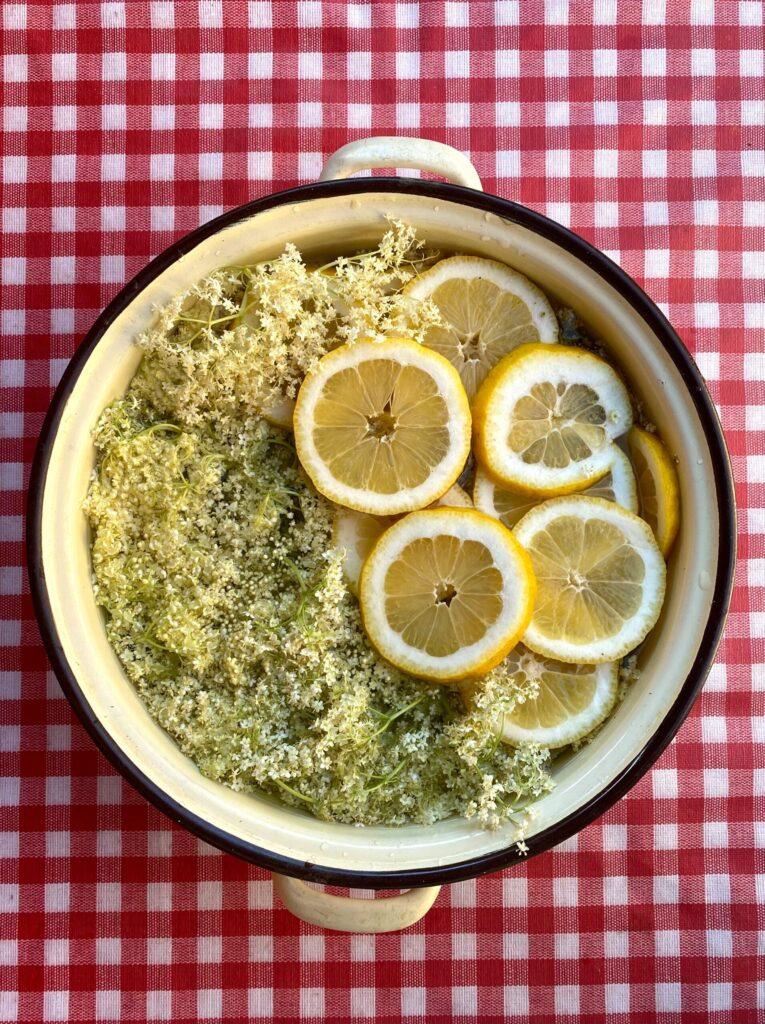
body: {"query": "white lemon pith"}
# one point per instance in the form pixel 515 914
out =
pixel 489 309
pixel 545 417
pixel 446 593
pixel 571 701
pixel 658 486
pixel 618 485
pixel 382 427
pixel 600 578
pixel 455 497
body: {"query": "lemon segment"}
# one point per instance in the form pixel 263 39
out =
pixel 455 497
pixel 446 593
pixel 618 485
pixel 572 700
pixel 658 486
pixel 382 427
pixel 489 309
pixel 600 578
pixel 545 417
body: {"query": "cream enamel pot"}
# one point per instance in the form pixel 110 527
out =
pixel 334 216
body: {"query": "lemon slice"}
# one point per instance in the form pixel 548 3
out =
pixel 600 579
pixel 657 485
pixel 490 310
pixel 545 418
pixel 446 593
pixel 571 702
pixel 382 427
pixel 617 485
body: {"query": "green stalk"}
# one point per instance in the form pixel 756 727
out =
pixel 293 792
pixel 392 718
pixel 169 428
pixel 206 323
pixel 386 778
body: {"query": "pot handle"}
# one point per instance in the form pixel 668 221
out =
pixel 343 914
pixel 392 151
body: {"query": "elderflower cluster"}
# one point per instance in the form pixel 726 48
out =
pixel 222 593
pixel 244 338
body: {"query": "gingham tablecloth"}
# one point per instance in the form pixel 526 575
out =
pixel 640 126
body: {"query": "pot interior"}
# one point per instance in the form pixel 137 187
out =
pixel 346 223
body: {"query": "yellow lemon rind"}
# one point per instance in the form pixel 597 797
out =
pixel 664 473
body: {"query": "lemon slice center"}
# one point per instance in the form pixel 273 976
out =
pixel 576 580
pixel 381 426
pixel 478 311
pixel 445 593
pixel 442 594
pixel 557 425
pixel 484 323
pixel 530 667
pixel 471 347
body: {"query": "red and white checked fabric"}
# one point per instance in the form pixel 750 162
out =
pixel 640 126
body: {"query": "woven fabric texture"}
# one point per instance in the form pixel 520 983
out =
pixel 639 125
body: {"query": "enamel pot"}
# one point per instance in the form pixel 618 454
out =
pixel 341 216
